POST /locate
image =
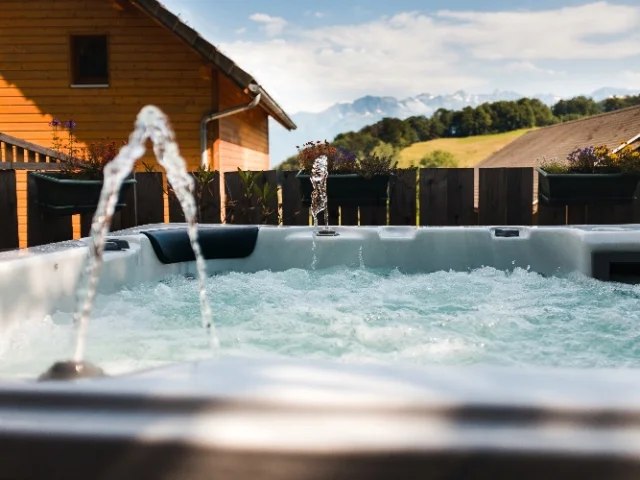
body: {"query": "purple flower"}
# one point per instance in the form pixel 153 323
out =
pixel 55 123
pixel 584 160
pixel 70 124
pixel 344 156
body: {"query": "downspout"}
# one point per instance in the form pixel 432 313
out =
pixel 224 113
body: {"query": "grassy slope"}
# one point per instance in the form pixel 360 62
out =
pixel 468 151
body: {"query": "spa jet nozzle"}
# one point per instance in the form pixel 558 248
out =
pixel 71 370
pixel 327 233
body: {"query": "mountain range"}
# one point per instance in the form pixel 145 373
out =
pixel 349 116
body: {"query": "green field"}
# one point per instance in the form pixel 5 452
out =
pixel 468 151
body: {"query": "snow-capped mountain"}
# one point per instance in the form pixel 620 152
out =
pixel 348 116
pixel 608 92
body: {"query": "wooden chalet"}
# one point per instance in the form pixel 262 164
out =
pixel 99 61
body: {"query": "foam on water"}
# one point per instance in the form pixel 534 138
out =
pixel 353 315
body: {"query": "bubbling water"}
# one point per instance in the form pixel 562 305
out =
pixel 151 124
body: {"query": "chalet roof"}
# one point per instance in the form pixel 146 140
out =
pixel 557 141
pixel 224 64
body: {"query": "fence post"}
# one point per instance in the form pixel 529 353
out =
pixel 402 197
pixel 149 198
pixel 293 213
pixel 8 211
pixel 519 196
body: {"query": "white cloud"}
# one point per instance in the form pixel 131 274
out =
pixel 583 32
pixel 411 52
pixel 315 14
pixel 631 79
pixel 528 67
pixel 241 30
pixel 273 26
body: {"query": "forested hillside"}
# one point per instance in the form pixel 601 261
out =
pixel 390 135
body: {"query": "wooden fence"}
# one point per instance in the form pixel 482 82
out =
pixel 436 197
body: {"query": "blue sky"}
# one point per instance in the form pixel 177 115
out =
pixel 310 55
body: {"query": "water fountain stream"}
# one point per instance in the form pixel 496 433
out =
pixel 319 174
pixel 151 124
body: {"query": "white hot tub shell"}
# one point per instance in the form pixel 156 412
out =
pixel 284 419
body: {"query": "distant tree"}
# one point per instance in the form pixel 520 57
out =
pixel 358 143
pixel 612 103
pixel 463 122
pixel 441 121
pixel 616 103
pixel 631 101
pixel 482 120
pixel 439 159
pixel 581 105
pixel 570 117
pixel 505 116
pixel 526 115
pixel 422 126
pixel 290 163
pixel 386 150
pixel 543 115
pixel 394 131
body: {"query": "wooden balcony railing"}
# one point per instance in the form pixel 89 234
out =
pixel 17 154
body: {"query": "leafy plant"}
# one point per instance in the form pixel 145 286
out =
pixel 340 160
pixel 256 198
pixel 84 163
pixel 203 180
pixel 56 145
pixel 628 159
pixel 595 159
pixel 203 177
pixel 344 162
pixel 586 160
pixel 376 165
pixel 552 165
pixel 264 195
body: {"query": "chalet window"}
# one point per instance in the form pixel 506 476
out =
pixel 89 60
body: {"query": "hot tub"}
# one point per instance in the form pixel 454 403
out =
pixel 343 379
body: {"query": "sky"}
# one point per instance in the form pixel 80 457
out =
pixel 310 55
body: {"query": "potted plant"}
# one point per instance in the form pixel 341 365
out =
pixel 590 175
pixel 351 181
pixel 76 186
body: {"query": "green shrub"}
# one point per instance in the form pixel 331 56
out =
pixel 290 163
pixel 439 159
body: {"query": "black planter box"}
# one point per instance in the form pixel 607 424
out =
pixel 585 188
pixel 348 189
pixel 67 196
